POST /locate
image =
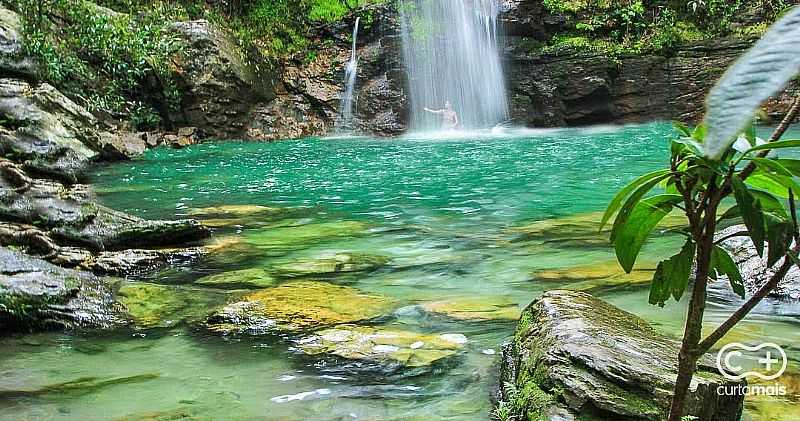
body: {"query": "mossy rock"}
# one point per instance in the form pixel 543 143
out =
pixel 297 306
pixel 340 263
pixel 185 414
pixel 283 239
pixel 233 215
pixel 385 348
pixel 230 250
pixel 253 278
pixel 578 357
pixel 76 387
pixel 475 308
pixel 152 305
pixel 597 276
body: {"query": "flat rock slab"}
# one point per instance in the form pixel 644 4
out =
pixel 576 357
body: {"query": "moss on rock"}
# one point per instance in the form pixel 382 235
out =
pixel 252 278
pixel 297 306
pixel 475 308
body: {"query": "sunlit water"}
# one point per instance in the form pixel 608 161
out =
pixel 447 211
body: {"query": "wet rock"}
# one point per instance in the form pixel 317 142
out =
pixel 754 269
pixel 139 261
pixel 574 356
pixel 253 278
pixel 286 117
pixel 13 61
pixel 336 264
pixel 152 305
pixel 481 308
pixel 77 387
pixel 220 82
pixel 45 131
pixel 122 146
pixel 36 295
pixel 382 349
pixel 297 306
pixel 232 215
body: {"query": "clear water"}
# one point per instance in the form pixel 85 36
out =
pixel 447 211
pixel 450 53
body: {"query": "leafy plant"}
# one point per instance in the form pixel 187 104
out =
pixel 720 159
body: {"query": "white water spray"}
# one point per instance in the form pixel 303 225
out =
pixel 451 54
pixel 344 121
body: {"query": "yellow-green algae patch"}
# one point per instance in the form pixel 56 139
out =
pixel 299 305
pixel 383 345
pixel 475 308
pixel 152 305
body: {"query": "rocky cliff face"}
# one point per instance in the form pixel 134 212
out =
pixel 309 92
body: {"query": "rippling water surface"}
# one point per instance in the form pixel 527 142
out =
pixel 494 217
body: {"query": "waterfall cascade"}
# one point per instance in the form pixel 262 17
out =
pixel 450 48
pixel 344 121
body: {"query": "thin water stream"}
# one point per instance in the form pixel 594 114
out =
pixel 493 219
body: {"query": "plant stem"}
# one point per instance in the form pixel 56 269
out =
pixel 687 358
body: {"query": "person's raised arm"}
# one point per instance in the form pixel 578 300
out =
pixel 433 111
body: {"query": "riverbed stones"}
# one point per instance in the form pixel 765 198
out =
pixel 35 295
pixel 385 349
pixel 754 269
pixel 482 308
pixel 298 306
pixel 574 356
pixel 252 278
pixel 597 276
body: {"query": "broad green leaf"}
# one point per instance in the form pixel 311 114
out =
pixel 616 202
pixel 772 166
pixel 767 182
pixel 724 265
pixel 760 73
pixel 699 133
pixel 782 144
pixel 693 146
pixel 751 212
pixel 635 229
pixel 779 237
pixel 777 173
pixel 672 275
pixel 792 165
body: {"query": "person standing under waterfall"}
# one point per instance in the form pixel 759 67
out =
pixel 449 116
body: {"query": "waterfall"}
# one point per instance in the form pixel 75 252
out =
pixel 450 48
pixel 344 121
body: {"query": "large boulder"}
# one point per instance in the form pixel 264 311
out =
pixel 220 81
pixel 45 131
pixel 35 294
pixel 574 356
pixel 754 269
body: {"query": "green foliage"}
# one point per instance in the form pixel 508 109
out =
pixel 97 56
pixel 672 275
pixel 620 27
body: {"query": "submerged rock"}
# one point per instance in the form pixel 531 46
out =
pixel 154 305
pixel 475 308
pixel 754 269
pixel 76 387
pixel 280 240
pixel 384 349
pixel 35 294
pixel 339 263
pixel 253 278
pixel 574 356
pixel 597 276
pixel 296 306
